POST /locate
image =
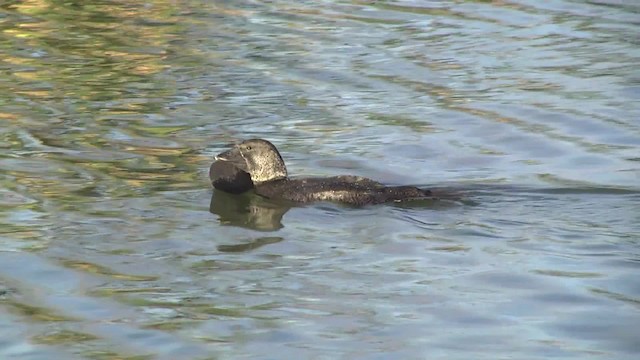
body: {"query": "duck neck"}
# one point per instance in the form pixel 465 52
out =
pixel 262 177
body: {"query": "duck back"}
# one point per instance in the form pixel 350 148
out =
pixel 351 190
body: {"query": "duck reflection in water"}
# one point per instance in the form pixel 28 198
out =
pixel 246 210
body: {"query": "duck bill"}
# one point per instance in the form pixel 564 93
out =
pixel 234 157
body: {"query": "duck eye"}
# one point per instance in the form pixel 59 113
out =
pixel 248 148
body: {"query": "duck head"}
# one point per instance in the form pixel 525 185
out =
pixel 257 157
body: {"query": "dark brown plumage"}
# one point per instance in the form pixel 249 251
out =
pixel 228 178
pixel 262 162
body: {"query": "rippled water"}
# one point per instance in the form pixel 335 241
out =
pixel 112 244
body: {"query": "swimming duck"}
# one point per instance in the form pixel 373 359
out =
pixel 262 163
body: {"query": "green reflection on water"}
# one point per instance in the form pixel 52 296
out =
pixel 171 325
pixel 37 313
pixel 85 51
pixel 111 355
pixel 63 337
pixel 103 270
pixel 83 101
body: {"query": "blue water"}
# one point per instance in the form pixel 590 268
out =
pixel 113 245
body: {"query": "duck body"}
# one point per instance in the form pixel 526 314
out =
pixel 343 189
pixel 262 162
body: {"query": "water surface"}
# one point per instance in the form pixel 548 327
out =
pixel 113 245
